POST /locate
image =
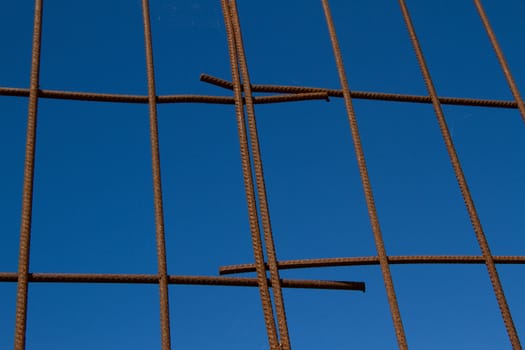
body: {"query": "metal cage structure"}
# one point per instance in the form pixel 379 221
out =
pixel 266 266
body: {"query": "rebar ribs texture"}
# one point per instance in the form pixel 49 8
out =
pixel 264 249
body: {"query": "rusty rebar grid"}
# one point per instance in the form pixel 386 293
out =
pixel 241 83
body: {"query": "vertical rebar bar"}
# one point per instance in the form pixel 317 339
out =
pixel 27 196
pixel 157 184
pixel 462 182
pixel 367 187
pixel 501 58
pixel 259 178
pixel 248 183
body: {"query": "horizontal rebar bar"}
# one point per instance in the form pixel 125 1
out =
pixel 187 280
pixel 122 98
pixel 373 260
pixel 366 95
pixel 292 93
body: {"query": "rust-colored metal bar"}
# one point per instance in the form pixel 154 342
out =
pixel 365 95
pixel 320 95
pixel 157 185
pixel 291 94
pixel 367 187
pixel 462 182
pixel 27 196
pixel 182 280
pixel 374 260
pixel 501 58
pixel 121 98
pixel 264 290
pixel 259 178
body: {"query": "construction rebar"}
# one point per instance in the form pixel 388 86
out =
pixel 260 182
pixel 27 196
pixel 269 284
pixel 367 187
pixel 501 58
pixel 181 280
pixel 271 329
pixel 462 182
pixel 121 98
pixel 157 185
pixel 374 260
pixel 364 95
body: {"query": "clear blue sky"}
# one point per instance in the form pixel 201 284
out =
pixel 93 197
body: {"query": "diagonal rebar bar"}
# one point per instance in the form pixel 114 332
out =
pixel 462 182
pixel 27 196
pixel 264 290
pixel 260 182
pixel 367 187
pixel 501 58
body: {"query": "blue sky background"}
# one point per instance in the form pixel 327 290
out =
pixel 93 197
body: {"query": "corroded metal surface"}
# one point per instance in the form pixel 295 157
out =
pixel 264 250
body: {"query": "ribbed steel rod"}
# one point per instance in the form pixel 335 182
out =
pixel 27 196
pixel 157 185
pixel 501 58
pixel 366 95
pixel 367 187
pixel 122 98
pixel 291 93
pixel 374 260
pixel 181 280
pixel 271 252
pixel 249 188
pixel 462 182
